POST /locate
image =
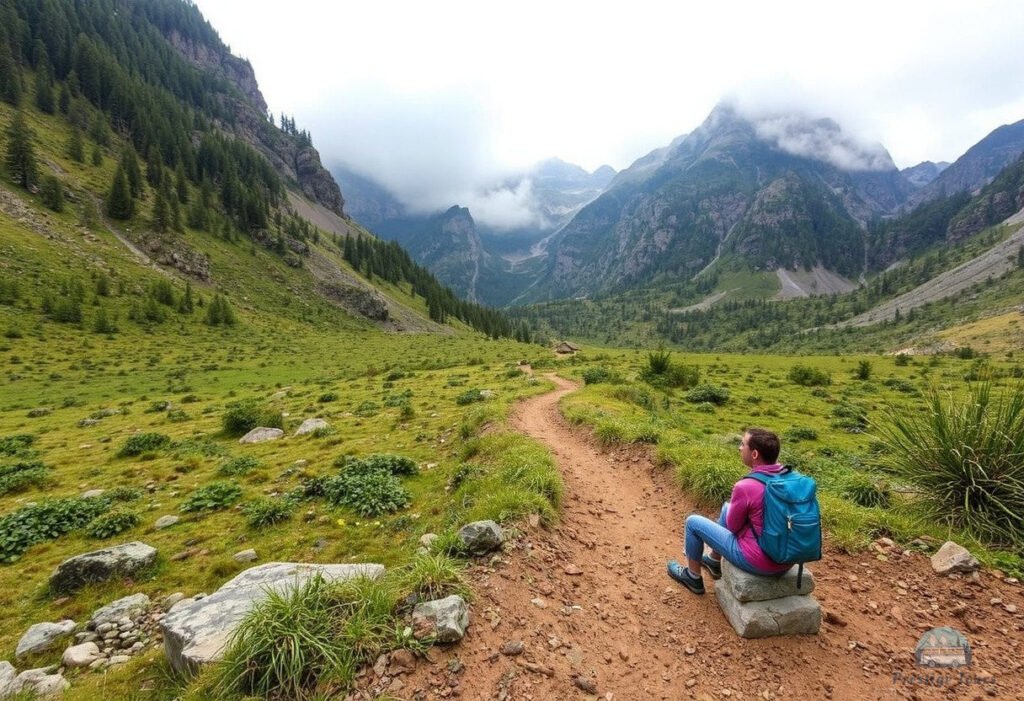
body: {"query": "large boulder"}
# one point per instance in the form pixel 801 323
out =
pixel 481 537
pixel 42 636
pixel 129 607
pixel 260 435
pixel 953 558
pixel 81 655
pixel 195 631
pixel 444 620
pixel 750 587
pixel 7 675
pixel 310 425
pixel 101 565
pixel 39 683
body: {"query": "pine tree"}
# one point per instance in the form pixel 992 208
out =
pixel 161 213
pixel 154 167
pixel 52 193
pixel 181 184
pixel 44 90
pixel 120 204
pixel 186 304
pixel 132 172
pixel 97 155
pixel 21 156
pixel 10 76
pixel 76 147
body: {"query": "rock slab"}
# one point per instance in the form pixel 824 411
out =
pixel 129 607
pixel 445 619
pixel 751 587
pixel 42 636
pixel 196 630
pixel 790 615
pixel 310 425
pixel 953 558
pixel 81 655
pixel 38 682
pixel 481 537
pixel 260 435
pixel 165 522
pixel 101 565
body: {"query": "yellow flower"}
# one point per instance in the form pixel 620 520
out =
pixel 341 522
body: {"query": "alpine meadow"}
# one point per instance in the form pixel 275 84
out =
pixel 270 428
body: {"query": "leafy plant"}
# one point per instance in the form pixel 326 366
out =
pixel 369 494
pixel 434 577
pixel 111 524
pixel 367 409
pixel 243 416
pixel 267 512
pixel 213 497
pixel 708 393
pixel 469 396
pixel 46 520
pixel 966 456
pixel 863 370
pixel 801 433
pixel 18 445
pixel 239 465
pixel 379 462
pixel 866 490
pixel 19 476
pixel 596 375
pixel 140 443
pixel 808 376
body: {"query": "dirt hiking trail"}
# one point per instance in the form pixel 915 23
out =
pixel 586 611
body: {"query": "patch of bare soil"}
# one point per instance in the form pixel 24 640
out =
pixel 586 611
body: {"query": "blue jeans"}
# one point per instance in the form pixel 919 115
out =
pixel 701 530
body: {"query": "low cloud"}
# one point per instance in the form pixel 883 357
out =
pixel 823 140
pixel 510 207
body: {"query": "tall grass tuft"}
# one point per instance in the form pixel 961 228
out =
pixel 966 456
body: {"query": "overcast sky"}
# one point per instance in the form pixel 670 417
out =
pixel 437 98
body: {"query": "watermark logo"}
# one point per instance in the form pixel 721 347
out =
pixel 943 647
pixel 946 655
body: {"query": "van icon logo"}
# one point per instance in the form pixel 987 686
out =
pixel 943 647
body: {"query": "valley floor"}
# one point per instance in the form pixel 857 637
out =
pixel 590 600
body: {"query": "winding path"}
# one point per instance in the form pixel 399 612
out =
pixel 590 599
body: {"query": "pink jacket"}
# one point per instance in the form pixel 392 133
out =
pixel 746 507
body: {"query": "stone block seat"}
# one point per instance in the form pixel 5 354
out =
pixel 762 607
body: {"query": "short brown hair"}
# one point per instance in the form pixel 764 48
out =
pixel 765 443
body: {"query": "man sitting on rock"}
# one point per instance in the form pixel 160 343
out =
pixel 732 537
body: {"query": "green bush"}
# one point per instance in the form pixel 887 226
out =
pixel 46 520
pixel 593 376
pixel 434 576
pixel 379 462
pixel 140 443
pixel 241 417
pixel 18 445
pixel 801 433
pixel 238 466
pixel 367 409
pixel 111 524
pixel 267 512
pixel 19 476
pixel 122 493
pixel 469 396
pixel 328 397
pixel 902 360
pixel 213 497
pixel 659 361
pixel 850 417
pixel 708 393
pixel 966 456
pixel 370 493
pixel 866 490
pixel 863 370
pixel 808 377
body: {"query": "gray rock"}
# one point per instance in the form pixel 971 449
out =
pixel 80 655
pixel 119 659
pixel 310 425
pixel 481 537
pixel 170 600
pixel 245 556
pixel 488 394
pixel 261 434
pixel 101 565
pixel 40 683
pixel 790 615
pixel 106 618
pixel 42 636
pixel 195 630
pixel 751 587
pixel 165 522
pixel 953 558
pixel 427 539
pixel 93 493
pixel 7 675
pixel 444 619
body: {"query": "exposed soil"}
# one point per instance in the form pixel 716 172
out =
pixel 598 618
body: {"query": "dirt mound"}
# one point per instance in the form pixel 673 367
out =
pixel 586 610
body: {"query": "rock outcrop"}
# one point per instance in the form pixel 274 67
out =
pixel 101 565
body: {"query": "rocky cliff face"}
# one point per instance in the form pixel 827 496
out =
pixel 297 162
pixel 977 167
pixel 923 173
pixel 774 191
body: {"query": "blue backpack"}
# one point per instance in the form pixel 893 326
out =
pixel 792 519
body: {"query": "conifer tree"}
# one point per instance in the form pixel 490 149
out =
pixel 186 304
pixel 44 90
pixel 20 158
pixel 52 193
pixel 10 76
pixel 161 213
pixel 97 155
pixel 120 204
pixel 76 147
pixel 132 172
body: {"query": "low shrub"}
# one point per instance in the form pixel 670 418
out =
pixel 367 409
pixel 705 469
pixel 796 434
pixel 241 417
pixel 19 476
pixel 122 493
pixel 328 397
pixel 141 443
pixel 18 445
pixel 596 375
pixel 111 524
pixel 808 377
pixel 469 396
pixel 46 520
pixel 369 494
pixel 708 393
pixel 867 490
pixel 849 417
pixel 379 462
pixel 434 577
pixel 213 497
pixel 267 512
pixel 239 465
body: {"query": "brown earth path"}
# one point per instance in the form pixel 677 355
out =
pixel 598 618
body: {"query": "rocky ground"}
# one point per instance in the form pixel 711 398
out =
pixel 585 610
